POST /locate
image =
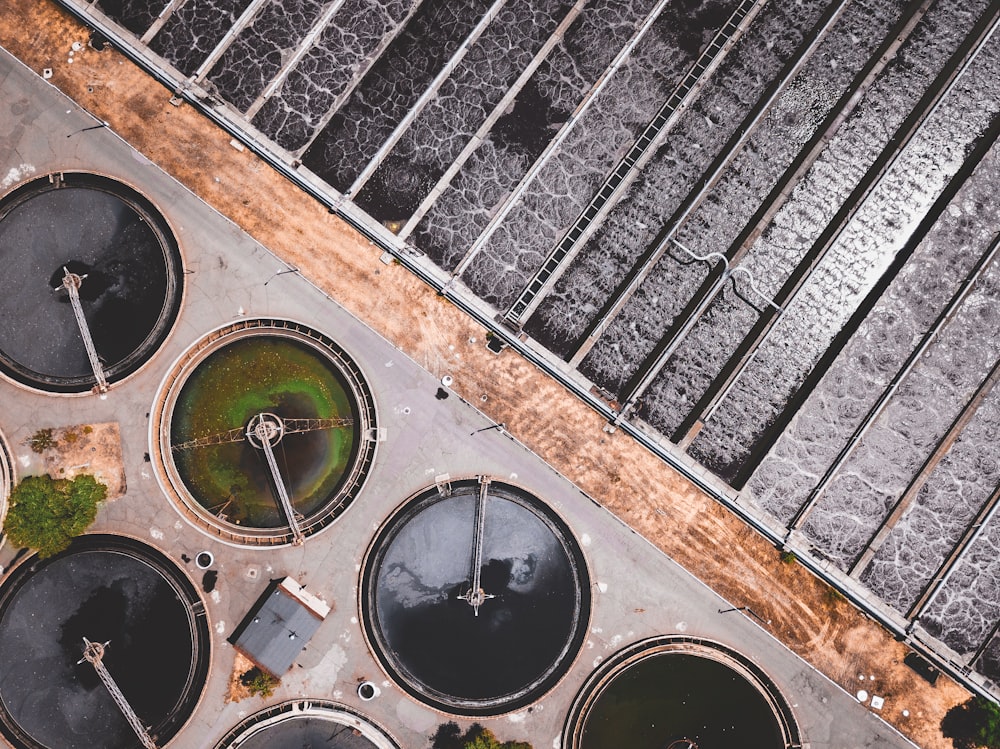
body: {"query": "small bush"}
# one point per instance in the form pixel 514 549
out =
pixel 42 440
pixel 259 682
pixel 973 725
pixel 788 557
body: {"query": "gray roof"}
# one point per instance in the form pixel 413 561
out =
pixel 277 629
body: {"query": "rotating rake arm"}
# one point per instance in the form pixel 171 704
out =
pixel 291 426
pixel 475 596
pixel 294 426
pixel 266 433
pixel 233 435
pixel 72 282
pixel 93 653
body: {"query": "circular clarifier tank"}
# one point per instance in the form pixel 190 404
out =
pixel 6 479
pixel 118 252
pixel 265 432
pixel 680 693
pixel 119 594
pixel 475 597
pixel 320 724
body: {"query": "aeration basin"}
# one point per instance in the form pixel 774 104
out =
pixel 475 597
pixel 124 262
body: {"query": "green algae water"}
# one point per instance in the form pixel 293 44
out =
pixel 273 374
pixel 673 696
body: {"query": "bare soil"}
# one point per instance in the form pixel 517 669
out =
pixel 624 477
pixel 88 448
pixel 237 691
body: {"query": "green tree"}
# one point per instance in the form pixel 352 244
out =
pixel 450 736
pixel 486 740
pixel 259 682
pixel 447 736
pixel 973 725
pixel 46 514
pixel 41 441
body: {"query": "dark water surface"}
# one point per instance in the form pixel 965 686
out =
pixel 307 732
pixel 672 696
pixel 521 639
pixel 392 85
pixel 106 596
pixel 134 15
pixel 127 289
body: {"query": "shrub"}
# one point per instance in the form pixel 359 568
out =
pixel 973 724
pixel 41 441
pixel 259 682
pixel 450 736
pixel 46 514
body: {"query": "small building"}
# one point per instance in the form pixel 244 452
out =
pixel 279 626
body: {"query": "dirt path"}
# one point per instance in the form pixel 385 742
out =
pixel 653 499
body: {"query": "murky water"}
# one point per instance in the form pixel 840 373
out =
pixel 926 404
pixel 105 596
pixel 946 505
pixel 675 169
pixel 717 223
pixel 672 696
pixel 875 354
pixel 193 31
pixel 541 108
pixel 307 731
pixel 268 374
pixel 855 261
pixel 390 88
pixel 438 135
pixel 525 632
pixel 967 608
pixel 989 662
pixel 134 15
pixel 329 70
pixel 128 296
pixel 599 138
pixel 257 53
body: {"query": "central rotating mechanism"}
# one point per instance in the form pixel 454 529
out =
pixel 475 597
pixel 266 432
